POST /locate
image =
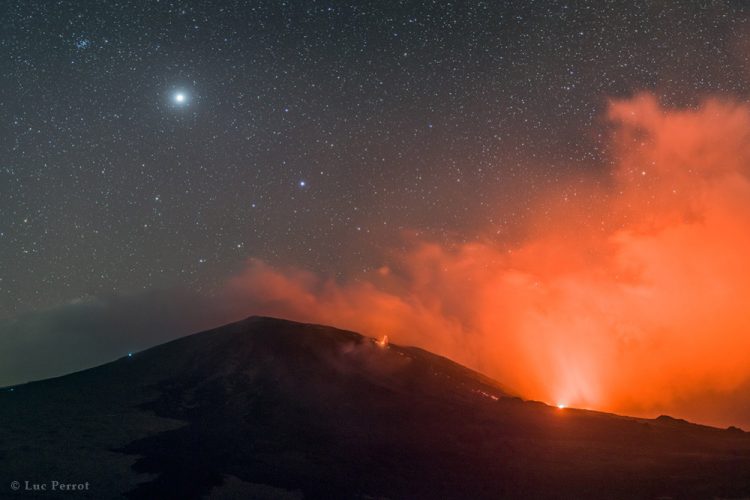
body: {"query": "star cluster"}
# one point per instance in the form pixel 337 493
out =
pixel 160 144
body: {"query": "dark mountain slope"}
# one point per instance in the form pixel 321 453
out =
pixel 266 408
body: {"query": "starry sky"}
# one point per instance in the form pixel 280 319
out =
pixel 148 145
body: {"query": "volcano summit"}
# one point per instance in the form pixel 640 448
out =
pixel 267 408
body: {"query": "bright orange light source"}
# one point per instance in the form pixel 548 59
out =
pixel 383 342
pixel 561 406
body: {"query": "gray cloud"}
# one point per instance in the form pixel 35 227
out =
pixel 89 332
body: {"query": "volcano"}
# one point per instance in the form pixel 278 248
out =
pixel 268 408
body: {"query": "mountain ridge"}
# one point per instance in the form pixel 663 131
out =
pixel 270 408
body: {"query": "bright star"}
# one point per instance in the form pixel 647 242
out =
pixel 180 98
pixel 302 183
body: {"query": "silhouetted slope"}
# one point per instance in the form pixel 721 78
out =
pixel 266 408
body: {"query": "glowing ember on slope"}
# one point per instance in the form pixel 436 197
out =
pixel 383 342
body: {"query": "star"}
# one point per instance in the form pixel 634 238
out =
pixel 180 98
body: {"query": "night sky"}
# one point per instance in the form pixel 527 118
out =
pixel 148 145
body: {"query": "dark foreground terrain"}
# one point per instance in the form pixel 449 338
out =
pixel 266 408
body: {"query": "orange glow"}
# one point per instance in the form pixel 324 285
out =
pixel 383 342
pixel 561 406
pixel 632 297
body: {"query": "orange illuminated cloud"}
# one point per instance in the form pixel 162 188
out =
pixel 634 298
